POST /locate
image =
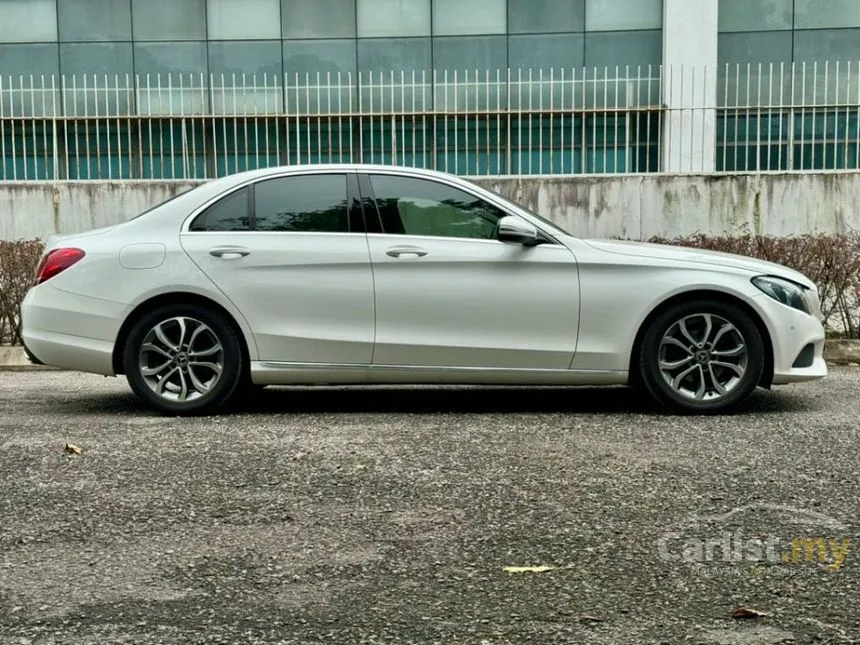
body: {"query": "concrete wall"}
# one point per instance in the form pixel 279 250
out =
pixel 634 206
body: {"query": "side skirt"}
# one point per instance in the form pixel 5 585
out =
pixel 272 373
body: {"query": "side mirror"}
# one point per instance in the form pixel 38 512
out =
pixel 514 230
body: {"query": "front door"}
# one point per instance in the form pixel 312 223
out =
pixel 450 294
pixel 290 253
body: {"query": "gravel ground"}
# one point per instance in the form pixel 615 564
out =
pixel 389 515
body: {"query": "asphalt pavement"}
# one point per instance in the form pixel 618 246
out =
pixel 428 515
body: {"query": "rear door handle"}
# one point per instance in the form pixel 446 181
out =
pixel 397 251
pixel 229 252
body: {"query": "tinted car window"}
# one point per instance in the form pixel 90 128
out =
pixel 422 207
pixel 227 214
pixel 309 203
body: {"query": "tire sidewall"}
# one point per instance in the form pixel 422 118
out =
pixel 649 356
pixel 230 376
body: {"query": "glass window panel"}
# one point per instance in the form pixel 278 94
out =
pixel 228 214
pixel 394 55
pixel 546 16
pixel 758 47
pixel 28 151
pixel 169 58
pixel 475 53
pixel 480 64
pixel 455 17
pixel 614 15
pixel 246 144
pixel 88 20
pixel 28 59
pixel 244 19
pixel 251 76
pixel 80 59
pixel 96 78
pixel 544 52
pixel 324 56
pixel 468 145
pixel 815 14
pixel 827 45
pixel 333 62
pixel 623 49
pixel 747 15
pixel 173 65
pixel 423 207
pixel 169 19
pixel 393 18
pixel 28 21
pixel 246 57
pixel 318 18
pixel 311 204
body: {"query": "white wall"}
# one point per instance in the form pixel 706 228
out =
pixel 632 206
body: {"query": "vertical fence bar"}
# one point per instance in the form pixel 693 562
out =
pixel 781 113
pixel 758 123
pixel 540 120
pixel 54 133
pixel 803 103
pixel 857 143
pixel 108 128
pixel 845 160
pixel 33 127
pixel 45 149
pixel 616 119
pixel 11 102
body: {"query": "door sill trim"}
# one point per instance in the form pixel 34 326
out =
pixel 285 373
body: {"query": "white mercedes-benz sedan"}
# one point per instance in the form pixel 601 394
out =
pixel 358 274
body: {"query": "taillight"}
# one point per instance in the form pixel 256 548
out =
pixel 56 261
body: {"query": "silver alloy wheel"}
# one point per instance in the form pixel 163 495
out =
pixel 181 359
pixel 703 357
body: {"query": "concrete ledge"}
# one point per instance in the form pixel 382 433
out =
pixel 842 352
pixel 836 352
pixel 13 358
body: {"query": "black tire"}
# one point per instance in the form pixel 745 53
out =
pixel 707 365
pixel 215 332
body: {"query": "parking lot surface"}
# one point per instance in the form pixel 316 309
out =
pixel 393 515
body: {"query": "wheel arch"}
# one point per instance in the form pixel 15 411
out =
pixel 174 298
pixel 705 294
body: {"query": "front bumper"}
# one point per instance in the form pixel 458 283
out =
pixel 797 339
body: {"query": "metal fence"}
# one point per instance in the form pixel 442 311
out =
pixel 500 122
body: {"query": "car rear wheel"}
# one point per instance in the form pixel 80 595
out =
pixel 183 359
pixel 702 357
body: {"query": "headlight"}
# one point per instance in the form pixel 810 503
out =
pixel 788 293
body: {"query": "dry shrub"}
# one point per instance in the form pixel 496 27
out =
pixel 831 261
pixel 18 261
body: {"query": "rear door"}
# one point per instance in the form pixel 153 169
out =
pixel 291 253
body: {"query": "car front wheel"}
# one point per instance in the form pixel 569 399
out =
pixel 183 359
pixel 702 357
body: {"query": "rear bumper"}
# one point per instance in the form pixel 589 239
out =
pixel 69 331
pixel 31 356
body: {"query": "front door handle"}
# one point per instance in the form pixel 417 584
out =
pixel 397 251
pixel 229 252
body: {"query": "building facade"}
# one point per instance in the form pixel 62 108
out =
pixel 118 89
